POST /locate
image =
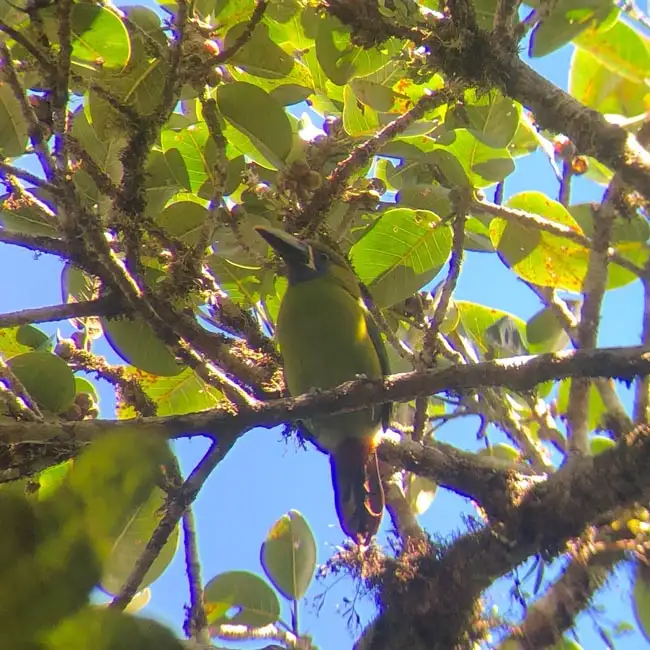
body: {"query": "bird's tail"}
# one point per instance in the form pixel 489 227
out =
pixel 357 489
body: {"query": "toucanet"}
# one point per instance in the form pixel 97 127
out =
pixel 326 337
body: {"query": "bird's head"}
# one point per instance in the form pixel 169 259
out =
pixel 307 260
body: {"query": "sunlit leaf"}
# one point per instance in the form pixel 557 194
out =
pixel 401 253
pixel 288 555
pixel 252 600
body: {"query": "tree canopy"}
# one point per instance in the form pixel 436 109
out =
pixel 141 145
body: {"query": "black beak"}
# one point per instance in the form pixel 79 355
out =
pixel 294 252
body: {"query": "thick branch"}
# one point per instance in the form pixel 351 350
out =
pixel 517 373
pixel 477 58
pixel 435 603
pixel 36 243
pixel 496 489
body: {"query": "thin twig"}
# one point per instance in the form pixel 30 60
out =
pixel 11 170
pixel 106 306
pixel 334 185
pixel 401 514
pixel 531 220
pixel 587 332
pixel 36 243
pixel 198 620
pixel 103 181
pixel 564 195
pixel 174 510
pixel 449 285
pixel 36 134
pixel 60 85
pixel 642 393
pixel 256 17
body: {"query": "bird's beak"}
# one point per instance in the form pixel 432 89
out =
pixel 294 252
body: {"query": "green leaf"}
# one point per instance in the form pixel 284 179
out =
pixel 160 181
pixel 24 215
pixel 490 117
pixel 335 51
pixel 503 339
pixel 641 598
pixel 545 332
pixel 47 378
pixel 374 95
pixel 136 343
pixel 99 36
pixel 132 542
pixel 426 197
pixel 568 19
pixel 107 629
pixel 112 479
pixel 620 48
pixel 13 127
pixel 183 393
pixel 76 285
pixel 358 119
pixel 340 59
pixel 186 155
pixel 183 220
pixel 599 444
pixel 625 229
pixel 550 260
pixel 104 146
pixel 485 10
pixel 47 572
pixel 484 165
pixel 33 338
pixel 403 251
pixel 260 117
pixel 82 385
pixel 604 90
pixel 502 451
pixel 597 408
pixel 9 344
pixel 288 555
pixel 141 83
pixel 260 55
pixel 50 479
pixel 476 319
pixel 255 602
pixel 241 282
pixel 420 493
pixel 540 257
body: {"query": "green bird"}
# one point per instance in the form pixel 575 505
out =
pixel 326 337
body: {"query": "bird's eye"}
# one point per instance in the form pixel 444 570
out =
pixel 323 256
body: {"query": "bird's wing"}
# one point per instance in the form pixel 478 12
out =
pixel 380 348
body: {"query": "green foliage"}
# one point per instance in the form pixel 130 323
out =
pixel 288 555
pixel 174 144
pixel 60 544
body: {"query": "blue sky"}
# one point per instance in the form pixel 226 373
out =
pixel 264 476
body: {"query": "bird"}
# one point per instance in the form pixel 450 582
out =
pixel 326 337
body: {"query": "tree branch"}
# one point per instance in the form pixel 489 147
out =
pixel 517 373
pixel 179 501
pixel 36 243
pixel 316 210
pixel 107 306
pixel 555 612
pixel 432 600
pixel 463 51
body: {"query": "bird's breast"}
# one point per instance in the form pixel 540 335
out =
pixel 324 342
